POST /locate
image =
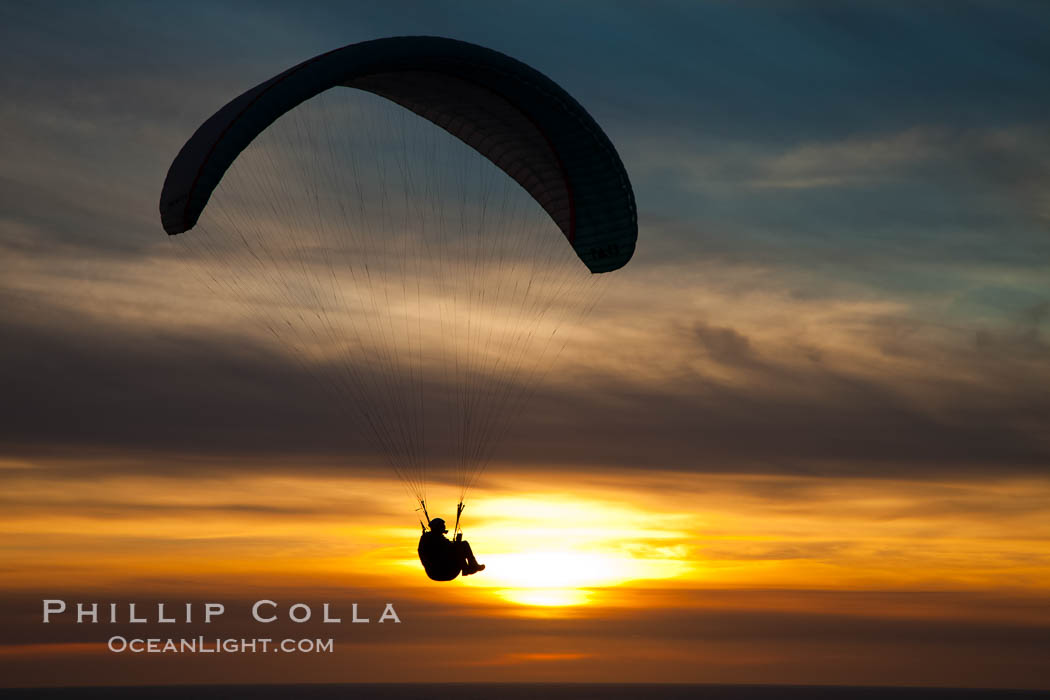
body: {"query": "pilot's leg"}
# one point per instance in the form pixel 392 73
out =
pixel 470 564
pixel 468 554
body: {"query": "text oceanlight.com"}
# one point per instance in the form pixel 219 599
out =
pixel 201 645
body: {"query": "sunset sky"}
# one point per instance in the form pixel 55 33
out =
pixel 803 438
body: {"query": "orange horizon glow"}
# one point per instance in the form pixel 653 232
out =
pixel 573 549
pixel 665 530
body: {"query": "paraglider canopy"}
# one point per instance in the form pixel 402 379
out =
pixel 510 113
pixel 385 211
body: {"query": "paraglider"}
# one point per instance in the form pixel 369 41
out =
pixel 384 211
pixel 445 559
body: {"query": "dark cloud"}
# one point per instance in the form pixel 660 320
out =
pixel 80 386
pixel 723 344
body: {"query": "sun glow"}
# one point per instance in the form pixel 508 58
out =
pixel 546 597
pixel 573 549
pixel 556 579
pixel 558 570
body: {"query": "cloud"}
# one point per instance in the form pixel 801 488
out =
pixel 836 294
pixel 723 344
pixel 797 384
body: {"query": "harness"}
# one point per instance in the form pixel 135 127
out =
pixel 423 526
